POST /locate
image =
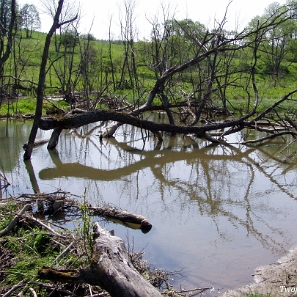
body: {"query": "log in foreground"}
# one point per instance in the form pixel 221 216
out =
pixel 129 219
pixel 111 269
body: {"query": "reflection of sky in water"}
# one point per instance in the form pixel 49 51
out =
pixel 218 212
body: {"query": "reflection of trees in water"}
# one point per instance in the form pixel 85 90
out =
pixel 218 179
pixel 12 137
pixel 212 182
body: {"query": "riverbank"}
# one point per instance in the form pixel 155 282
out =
pixel 37 251
pixel 277 279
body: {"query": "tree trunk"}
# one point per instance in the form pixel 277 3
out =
pixel 42 75
pixel 6 50
pixel 54 138
pixel 111 269
pixel 75 121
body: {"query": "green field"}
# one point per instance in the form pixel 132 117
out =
pixel 128 70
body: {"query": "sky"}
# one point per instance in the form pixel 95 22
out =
pixel 96 14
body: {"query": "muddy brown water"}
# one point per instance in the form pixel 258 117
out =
pixel 217 211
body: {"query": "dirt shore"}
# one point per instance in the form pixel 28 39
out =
pixel 278 279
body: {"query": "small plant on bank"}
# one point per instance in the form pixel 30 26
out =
pixel 85 229
pixel 26 248
pixel 258 295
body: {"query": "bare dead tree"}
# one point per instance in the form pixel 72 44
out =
pixel 209 47
pixel 210 50
pixel 129 33
pixel 111 67
pixel 42 75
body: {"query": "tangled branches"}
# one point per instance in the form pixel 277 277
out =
pixel 3 181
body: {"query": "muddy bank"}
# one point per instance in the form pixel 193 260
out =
pixel 277 279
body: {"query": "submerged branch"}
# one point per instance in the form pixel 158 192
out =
pixel 269 137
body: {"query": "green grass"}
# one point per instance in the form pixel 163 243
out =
pixel 100 77
pixel 26 106
pixel 258 295
pixel 20 245
pixel 28 248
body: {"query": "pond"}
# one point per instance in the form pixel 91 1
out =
pixel 218 212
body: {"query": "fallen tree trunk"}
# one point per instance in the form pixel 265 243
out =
pixel 123 216
pixel 78 120
pixel 111 269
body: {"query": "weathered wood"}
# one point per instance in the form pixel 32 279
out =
pixel 111 269
pixel 54 138
pixel 78 120
pixel 123 216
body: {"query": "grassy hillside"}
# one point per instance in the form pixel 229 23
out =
pixel 126 70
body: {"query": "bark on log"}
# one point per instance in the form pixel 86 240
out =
pixel 123 216
pixel 54 138
pixel 75 121
pixel 110 269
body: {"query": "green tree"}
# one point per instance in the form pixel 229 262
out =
pixel 8 20
pixel 68 39
pixel 30 19
pixel 293 41
pixel 275 45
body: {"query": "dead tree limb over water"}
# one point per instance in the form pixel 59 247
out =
pixel 205 131
pixel 210 48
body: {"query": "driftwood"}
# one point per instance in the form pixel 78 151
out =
pixel 3 181
pixel 131 220
pixel 78 120
pixel 111 269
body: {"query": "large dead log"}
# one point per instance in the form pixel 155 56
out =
pixel 119 118
pixel 111 269
pixel 78 120
pixel 125 217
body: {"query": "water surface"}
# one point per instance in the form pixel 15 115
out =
pixel 217 211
